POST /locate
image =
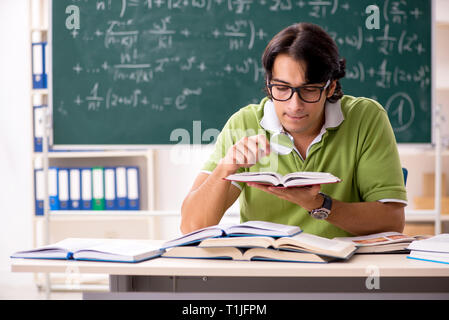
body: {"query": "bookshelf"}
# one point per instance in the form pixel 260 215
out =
pixel 56 225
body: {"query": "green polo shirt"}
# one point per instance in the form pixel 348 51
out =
pixel 356 144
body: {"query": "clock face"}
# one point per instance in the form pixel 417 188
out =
pixel 320 214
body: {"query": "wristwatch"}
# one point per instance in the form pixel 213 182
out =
pixel 323 212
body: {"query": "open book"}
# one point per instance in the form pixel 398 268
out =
pixel 294 179
pixel 113 250
pixel 433 249
pixel 249 228
pixel 385 242
pixel 233 253
pixel 302 242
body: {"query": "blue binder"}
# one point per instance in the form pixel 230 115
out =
pixel 86 188
pixel 38 65
pixel 63 188
pixel 133 181
pixel 38 126
pixel 109 188
pixel 53 188
pixel 121 188
pixel 75 189
pixel 39 192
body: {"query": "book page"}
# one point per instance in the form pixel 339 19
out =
pixel 207 232
pixel 263 228
pixel 258 177
pixel 121 247
pixel 315 243
pixel 377 239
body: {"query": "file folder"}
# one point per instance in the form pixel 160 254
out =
pixel 121 188
pixel 86 188
pixel 75 189
pixel 39 192
pixel 97 188
pixel 132 175
pixel 53 188
pixel 38 65
pixel 38 117
pixel 63 188
pixel 109 188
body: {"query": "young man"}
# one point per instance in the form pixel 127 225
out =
pixel 346 136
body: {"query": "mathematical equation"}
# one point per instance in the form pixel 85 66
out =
pixel 396 11
pixel 387 75
pixel 135 98
pixel 137 55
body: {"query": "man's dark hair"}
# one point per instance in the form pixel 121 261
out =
pixel 309 43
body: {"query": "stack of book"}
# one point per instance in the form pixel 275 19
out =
pixel 434 249
pixel 258 240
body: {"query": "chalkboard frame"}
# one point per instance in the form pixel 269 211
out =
pixel 104 147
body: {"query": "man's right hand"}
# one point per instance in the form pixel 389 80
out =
pixel 245 153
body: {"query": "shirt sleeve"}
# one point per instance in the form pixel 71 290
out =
pixel 379 171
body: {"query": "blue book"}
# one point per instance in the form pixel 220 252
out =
pixel 133 187
pixel 121 188
pixel 86 188
pixel 38 65
pixel 38 127
pixel 75 189
pixel 39 192
pixel 53 188
pixel 114 250
pixel 63 188
pixel 109 188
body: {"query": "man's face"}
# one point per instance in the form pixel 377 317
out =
pixel 296 116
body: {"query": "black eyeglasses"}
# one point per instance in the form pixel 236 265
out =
pixel 307 93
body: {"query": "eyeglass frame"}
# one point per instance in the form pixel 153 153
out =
pixel 298 90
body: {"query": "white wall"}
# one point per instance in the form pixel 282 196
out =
pixel 15 143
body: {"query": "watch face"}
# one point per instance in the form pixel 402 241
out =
pixel 320 214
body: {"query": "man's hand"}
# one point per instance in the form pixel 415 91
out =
pixel 245 153
pixel 306 197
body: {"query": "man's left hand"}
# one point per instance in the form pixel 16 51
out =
pixel 307 197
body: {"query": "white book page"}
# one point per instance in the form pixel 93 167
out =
pixel 121 247
pixel 310 241
pixel 439 243
pixel 270 177
pixel 263 227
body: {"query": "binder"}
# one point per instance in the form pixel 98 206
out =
pixel 38 120
pixel 38 65
pixel 39 192
pixel 109 188
pixel 121 188
pixel 53 188
pixel 97 188
pixel 86 188
pixel 63 188
pixel 75 189
pixel 132 176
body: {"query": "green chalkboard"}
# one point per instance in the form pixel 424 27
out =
pixel 171 71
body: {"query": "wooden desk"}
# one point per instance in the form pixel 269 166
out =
pixel 362 277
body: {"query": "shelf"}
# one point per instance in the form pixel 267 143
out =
pixel 427 150
pixel 442 24
pixel 39 91
pixel 112 213
pixel 94 154
pixel 423 216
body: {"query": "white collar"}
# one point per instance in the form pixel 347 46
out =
pixel 333 118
